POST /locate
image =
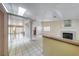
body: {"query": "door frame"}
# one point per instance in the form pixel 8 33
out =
pixel 5 30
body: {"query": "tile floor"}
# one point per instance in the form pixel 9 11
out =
pixel 26 47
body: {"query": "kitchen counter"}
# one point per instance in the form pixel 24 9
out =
pixel 51 36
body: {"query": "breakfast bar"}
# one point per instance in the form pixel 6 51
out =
pixel 57 46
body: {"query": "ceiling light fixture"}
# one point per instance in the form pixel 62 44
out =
pixel 21 11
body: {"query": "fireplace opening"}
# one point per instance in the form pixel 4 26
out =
pixel 68 35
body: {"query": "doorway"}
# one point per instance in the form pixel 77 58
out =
pixel 18 34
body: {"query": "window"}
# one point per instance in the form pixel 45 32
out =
pixel 47 28
pixel 67 23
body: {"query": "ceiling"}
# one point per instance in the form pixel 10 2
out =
pixel 47 11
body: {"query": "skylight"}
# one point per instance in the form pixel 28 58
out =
pixel 21 11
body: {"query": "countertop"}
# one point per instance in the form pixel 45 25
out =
pixel 51 36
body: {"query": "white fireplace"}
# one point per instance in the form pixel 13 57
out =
pixel 67 34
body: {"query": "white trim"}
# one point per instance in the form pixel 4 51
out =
pixel 5 7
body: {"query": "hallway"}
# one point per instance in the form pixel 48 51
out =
pixel 21 40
